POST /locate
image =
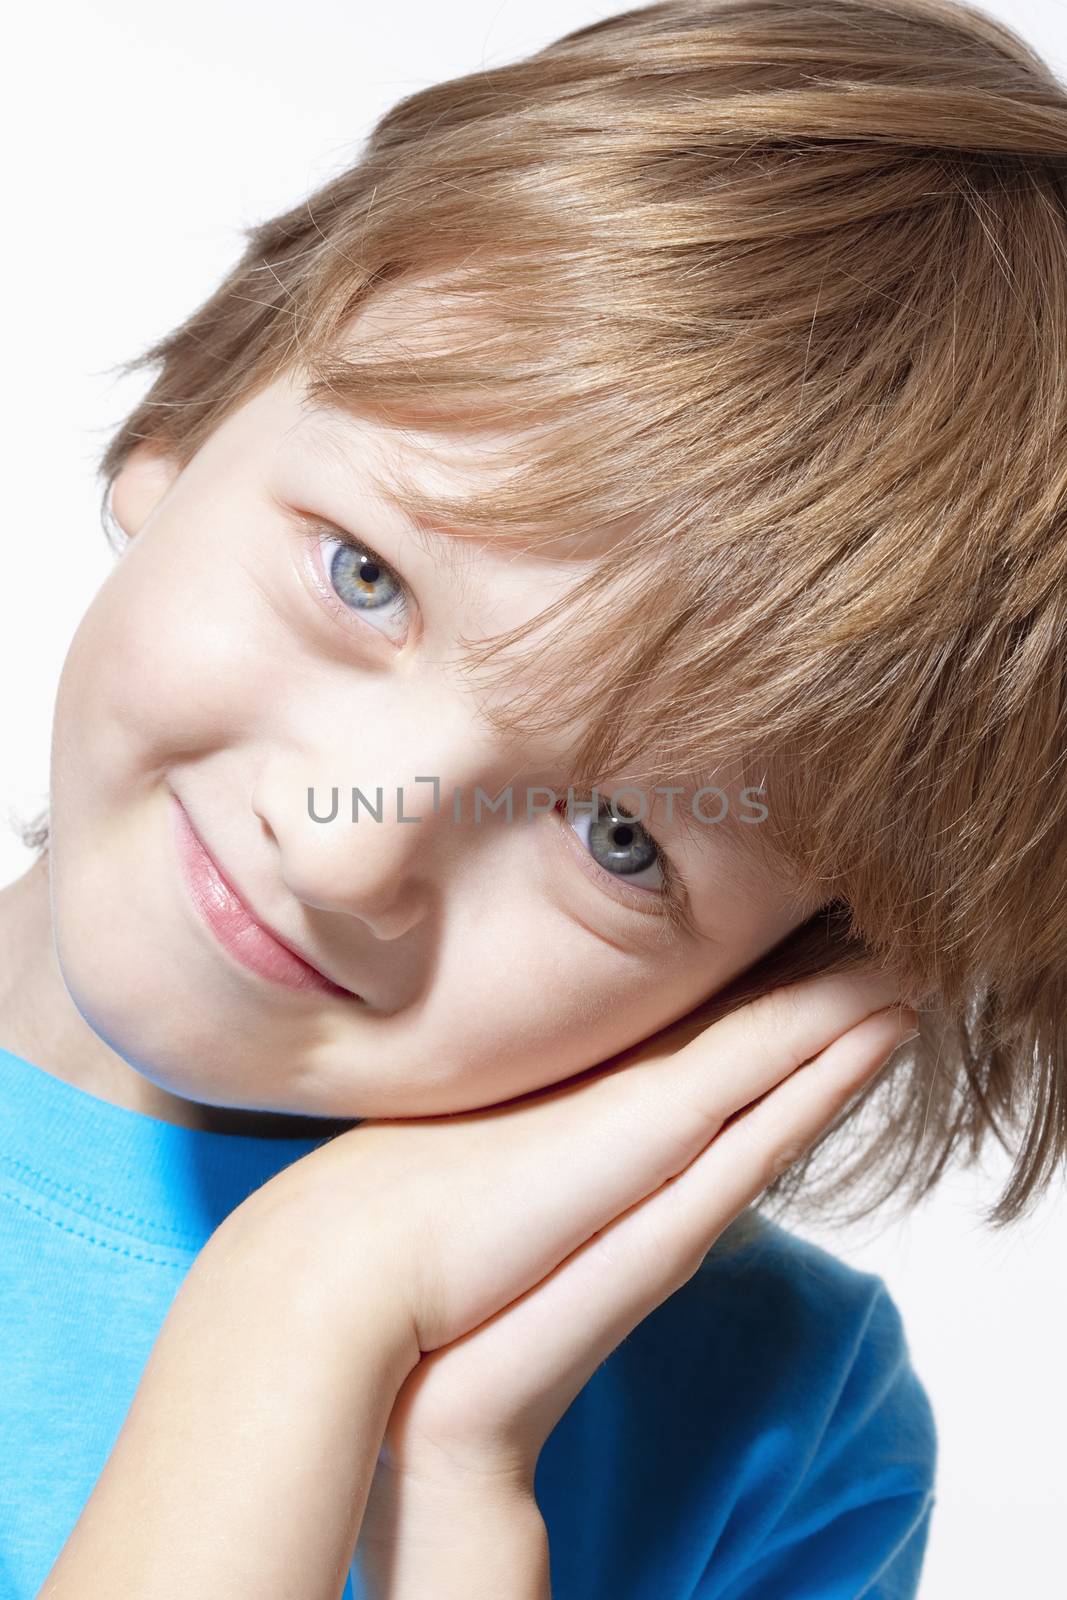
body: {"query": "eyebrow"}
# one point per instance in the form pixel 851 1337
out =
pixel 336 417
pixel 440 541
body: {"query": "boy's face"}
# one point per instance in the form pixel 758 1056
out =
pixel 228 665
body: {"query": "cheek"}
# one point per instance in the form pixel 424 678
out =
pixel 161 665
pixel 530 999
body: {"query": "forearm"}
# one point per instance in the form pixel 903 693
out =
pixel 244 1463
pixel 452 1543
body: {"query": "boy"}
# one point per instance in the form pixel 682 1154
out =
pixel 758 484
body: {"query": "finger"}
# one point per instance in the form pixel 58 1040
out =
pixel 638 1125
pixel 634 1263
pixel 571 1321
pixel 756 1146
pixel 554 1172
pixel 767 1039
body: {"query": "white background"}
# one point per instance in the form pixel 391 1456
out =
pixel 139 140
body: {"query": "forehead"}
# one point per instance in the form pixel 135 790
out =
pixel 477 585
pixel 446 463
pixel 496 577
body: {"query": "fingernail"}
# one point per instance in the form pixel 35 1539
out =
pixel 909 1022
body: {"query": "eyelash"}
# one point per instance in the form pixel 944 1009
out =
pixel 311 533
pixel 673 898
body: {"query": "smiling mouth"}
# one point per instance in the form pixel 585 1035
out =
pixel 235 927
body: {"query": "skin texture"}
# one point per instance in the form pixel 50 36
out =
pixel 212 664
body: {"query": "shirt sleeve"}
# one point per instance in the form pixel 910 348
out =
pixel 857 1522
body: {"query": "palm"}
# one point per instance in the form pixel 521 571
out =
pixel 486 1403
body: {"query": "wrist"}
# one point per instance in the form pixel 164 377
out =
pixel 298 1238
pixel 456 1540
pixel 267 1367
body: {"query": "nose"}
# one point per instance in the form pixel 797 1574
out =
pixel 379 855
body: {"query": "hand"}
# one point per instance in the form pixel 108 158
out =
pixel 525 1240
pixel 471 1418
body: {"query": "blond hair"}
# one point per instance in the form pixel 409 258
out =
pixel 782 284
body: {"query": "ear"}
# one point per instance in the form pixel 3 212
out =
pixel 138 487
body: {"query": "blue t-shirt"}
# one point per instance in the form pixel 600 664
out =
pixel 761 1436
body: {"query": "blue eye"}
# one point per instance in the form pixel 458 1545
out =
pixel 620 844
pixel 363 582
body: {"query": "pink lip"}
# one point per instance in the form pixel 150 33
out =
pixel 230 920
